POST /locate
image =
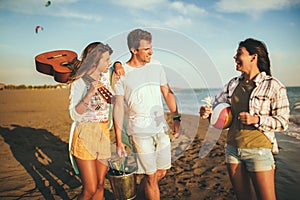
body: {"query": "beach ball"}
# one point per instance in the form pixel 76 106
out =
pixel 221 116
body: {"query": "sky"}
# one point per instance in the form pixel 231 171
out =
pixel 194 39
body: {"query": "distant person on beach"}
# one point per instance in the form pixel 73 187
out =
pixel 89 139
pixel 140 90
pixel 260 107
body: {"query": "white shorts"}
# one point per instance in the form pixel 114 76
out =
pixel 152 152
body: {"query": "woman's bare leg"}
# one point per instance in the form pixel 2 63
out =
pixel 264 184
pixel 240 181
pixel 88 174
pixel 101 168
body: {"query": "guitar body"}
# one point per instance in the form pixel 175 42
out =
pixel 57 64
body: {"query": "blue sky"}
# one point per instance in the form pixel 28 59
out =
pixel 195 39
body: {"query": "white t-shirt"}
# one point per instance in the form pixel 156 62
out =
pixel 141 90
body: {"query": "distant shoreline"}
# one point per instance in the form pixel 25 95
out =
pixel 67 85
pixel 23 86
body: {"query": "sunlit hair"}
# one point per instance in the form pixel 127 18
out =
pixel 135 36
pixel 91 56
pixel 254 46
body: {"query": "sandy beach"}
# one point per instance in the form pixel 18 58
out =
pixel 34 134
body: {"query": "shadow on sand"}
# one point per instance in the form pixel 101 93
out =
pixel 45 158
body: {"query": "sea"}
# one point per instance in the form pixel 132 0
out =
pixel 287 174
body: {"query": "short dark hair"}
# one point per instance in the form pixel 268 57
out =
pixel 135 36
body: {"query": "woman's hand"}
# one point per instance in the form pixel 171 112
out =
pixel 121 151
pixel 205 111
pixel 248 119
pixel 82 106
pixel 94 86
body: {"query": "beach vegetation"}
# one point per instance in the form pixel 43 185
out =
pixel 32 87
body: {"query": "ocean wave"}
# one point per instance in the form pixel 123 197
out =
pixel 293 131
pixel 296 142
pixel 295 119
pixel 295 108
pixel 293 134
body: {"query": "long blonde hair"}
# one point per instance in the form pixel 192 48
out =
pixel 91 56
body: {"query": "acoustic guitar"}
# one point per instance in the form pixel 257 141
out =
pixel 106 95
pixel 61 64
pixel 103 91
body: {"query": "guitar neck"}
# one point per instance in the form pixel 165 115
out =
pixel 106 94
pixel 103 91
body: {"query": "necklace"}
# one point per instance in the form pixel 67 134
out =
pixel 247 85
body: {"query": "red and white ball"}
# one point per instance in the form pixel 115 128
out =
pixel 221 117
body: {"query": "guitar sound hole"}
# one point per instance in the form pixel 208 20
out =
pixel 57 56
pixel 65 64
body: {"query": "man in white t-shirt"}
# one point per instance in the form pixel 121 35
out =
pixel 141 91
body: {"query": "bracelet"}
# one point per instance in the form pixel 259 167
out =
pixel 258 123
pixel 177 117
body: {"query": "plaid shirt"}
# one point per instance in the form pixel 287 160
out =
pixel 268 100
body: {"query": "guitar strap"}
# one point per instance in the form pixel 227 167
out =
pixel 87 79
pixel 74 65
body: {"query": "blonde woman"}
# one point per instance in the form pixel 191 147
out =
pixel 89 140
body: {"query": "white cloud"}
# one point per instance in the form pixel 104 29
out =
pixel 173 14
pixel 68 13
pixel 171 22
pixel 32 7
pixel 177 21
pixel 187 9
pixel 253 7
pixel 163 12
pixel 165 5
pixel 142 4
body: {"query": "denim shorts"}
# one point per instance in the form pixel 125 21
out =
pixel 152 152
pixel 255 160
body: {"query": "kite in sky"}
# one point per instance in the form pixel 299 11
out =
pixel 37 29
pixel 48 3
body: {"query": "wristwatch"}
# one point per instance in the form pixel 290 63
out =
pixel 177 117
